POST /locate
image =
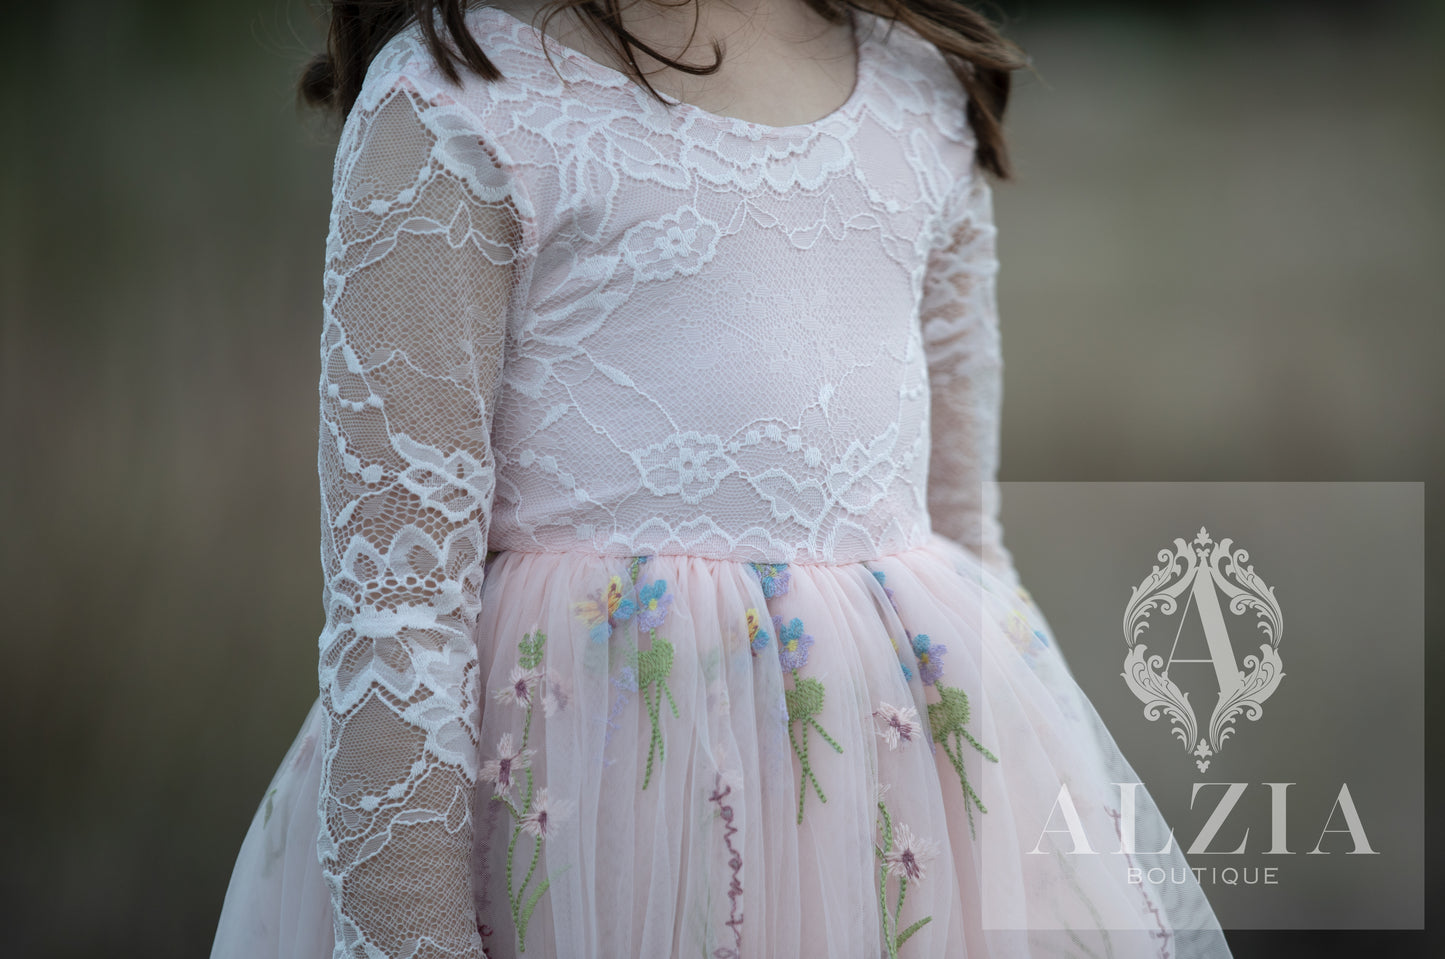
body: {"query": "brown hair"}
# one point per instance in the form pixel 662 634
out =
pixel 980 56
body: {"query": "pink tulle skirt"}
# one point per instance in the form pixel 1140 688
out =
pixel 685 756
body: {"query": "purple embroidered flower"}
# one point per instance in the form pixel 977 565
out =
pixel 930 658
pixel 793 643
pixel 909 853
pixel 653 604
pixel 774 577
pixel 509 762
pixel 900 724
pixel 626 679
pixel 545 815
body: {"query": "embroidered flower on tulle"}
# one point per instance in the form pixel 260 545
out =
pixel 930 658
pixel 774 577
pixel 654 601
pixel 793 643
pixel 887 590
pixel 626 678
pixel 603 611
pixel 554 695
pixel 521 688
pixel 510 761
pixel 546 814
pixel 910 854
pixel 907 673
pixel 901 724
pixel 758 637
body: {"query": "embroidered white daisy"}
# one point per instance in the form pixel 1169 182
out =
pixel 521 687
pixel 909 853
pixel 900 724
pixel 510 761
pixel 545 815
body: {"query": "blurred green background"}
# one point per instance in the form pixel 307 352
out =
pixel 1221 259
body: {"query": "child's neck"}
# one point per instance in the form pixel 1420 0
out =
pixel 783 64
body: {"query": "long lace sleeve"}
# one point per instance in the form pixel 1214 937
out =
pixel 421 262
pixel 960 322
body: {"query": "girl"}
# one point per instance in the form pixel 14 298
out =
pixel 667 610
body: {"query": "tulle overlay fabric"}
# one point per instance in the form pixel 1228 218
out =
pixel 693 756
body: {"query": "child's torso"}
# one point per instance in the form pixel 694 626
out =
pixel 715 347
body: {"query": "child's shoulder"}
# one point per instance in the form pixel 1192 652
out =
pixel 913 75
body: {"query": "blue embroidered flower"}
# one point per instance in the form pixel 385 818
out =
pixel 930 658
pixel 774 576
pixel 759 636
pixel 653 604
pixel 887 590
pixel 793 643
pixel 907 673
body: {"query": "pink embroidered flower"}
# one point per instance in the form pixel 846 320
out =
pixel 900 724
pixel 509 762
pixel 909 853
pixel 545 815
pixel 521 687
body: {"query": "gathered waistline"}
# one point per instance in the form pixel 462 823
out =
pixel 796 560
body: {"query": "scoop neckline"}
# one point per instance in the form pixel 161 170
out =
pixel 862 40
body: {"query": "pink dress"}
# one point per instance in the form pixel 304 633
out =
pixel 667 612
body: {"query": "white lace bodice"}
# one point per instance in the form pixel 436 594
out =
pixel 559 316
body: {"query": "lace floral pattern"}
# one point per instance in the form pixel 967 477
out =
pixel 560 318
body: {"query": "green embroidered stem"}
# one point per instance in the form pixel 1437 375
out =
pixel 530 657
pixel 892 939
pixel 947 719
pixel 805 702
pixel 888 924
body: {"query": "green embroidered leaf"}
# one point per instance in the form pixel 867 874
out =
pixel 805 702
pixel 805 699
pixel 531 649
pixel 947 719
pixel 655 665
pixel 903 936
pixel 270 804
pixel 531 904
pixel 950 713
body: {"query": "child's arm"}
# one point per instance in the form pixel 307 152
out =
pixel 961 339
pixel 419 259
